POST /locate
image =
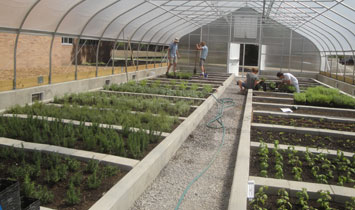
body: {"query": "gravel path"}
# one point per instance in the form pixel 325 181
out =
pixel 211 191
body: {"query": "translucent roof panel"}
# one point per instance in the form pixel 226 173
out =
pixel 330 24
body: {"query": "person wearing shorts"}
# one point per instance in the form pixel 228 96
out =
pixel 173 54
pixel 204 52
pixel 251 81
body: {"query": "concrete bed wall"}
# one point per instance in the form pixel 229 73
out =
pixel 343 86
pixel 24 96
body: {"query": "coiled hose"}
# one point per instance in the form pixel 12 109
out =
pixel 222 104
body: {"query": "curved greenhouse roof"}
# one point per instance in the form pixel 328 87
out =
pixel 329 24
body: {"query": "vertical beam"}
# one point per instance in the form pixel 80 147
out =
pixel 16 41
pixel 290 51
pixel 302 58
pixel 244 45
pixel 282 52
pixel 260 41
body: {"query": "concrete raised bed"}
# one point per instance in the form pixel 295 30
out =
pixel 129 188
pixel 239 193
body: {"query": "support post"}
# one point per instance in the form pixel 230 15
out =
pixel 243 59
pixel 260 41
pixel 76 58
pixel 290 51
pixel 302 58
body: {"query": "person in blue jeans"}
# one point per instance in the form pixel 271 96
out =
pixel 173 55
pixel 204 52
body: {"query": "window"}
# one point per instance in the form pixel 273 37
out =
pixel 37 97
pixel 67 41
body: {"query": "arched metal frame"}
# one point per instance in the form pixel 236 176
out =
pixel 53 36
pixel 190 24
pixel 17 37
pixel 336 52
pixel 81 33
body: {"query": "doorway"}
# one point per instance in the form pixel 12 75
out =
pixel 249 56
pixel 242 57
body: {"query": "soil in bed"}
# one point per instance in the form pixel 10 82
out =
pixel 271 204
pixel 272 94
pixel 311 112
pixel 17 164
pixel 306 140
pixel 302 122
pixel 306 174
pixel 262 100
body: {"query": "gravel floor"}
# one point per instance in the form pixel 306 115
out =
pixel 212 190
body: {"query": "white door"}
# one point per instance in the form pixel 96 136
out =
pixel 233 61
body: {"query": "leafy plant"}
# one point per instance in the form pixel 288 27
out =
pixel 283 202
pixel 92 166
pixel 303 199
pixel 258 203
pixel 322 96
pixel 73 195
pixel 93 181
pixel 76 179
pixel 324 199
pixel 350 205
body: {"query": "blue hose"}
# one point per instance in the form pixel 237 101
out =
pixel 221 105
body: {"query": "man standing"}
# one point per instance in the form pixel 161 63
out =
pixel 289 79
pixel 173 55
pixel 204 52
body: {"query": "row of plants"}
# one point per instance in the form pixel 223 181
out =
pixel 146 120
pixel 306 140
pixel 179 75
pixel 130 103
pixel 304 122
pixel 158 88
pixel 322 96
pixel 283 201
pixel 291 164
pixel 57 181
pixel 126 143
pixel 176 82
pixel 281 87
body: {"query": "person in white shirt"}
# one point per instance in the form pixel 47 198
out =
pixel 289 79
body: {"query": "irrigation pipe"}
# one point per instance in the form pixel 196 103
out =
pixel 221 105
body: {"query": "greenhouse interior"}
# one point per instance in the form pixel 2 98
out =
pixel 177 104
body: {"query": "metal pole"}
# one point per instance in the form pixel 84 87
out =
pixel 16 41
pixel 113 58
pixel 146 62
pixel 76 58
pixel 155 55
pixel 344 67
pixel 244 45
pixel 97 63
pixel 188 49
pixel 302 58
pixel 290 51
pixel 282 52
pixel 260 42
pixel 53 36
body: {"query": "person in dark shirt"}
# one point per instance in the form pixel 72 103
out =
pixel 251 81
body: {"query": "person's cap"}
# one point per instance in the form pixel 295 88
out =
pixel 176 40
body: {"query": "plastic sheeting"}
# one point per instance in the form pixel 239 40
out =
pixel 330 24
